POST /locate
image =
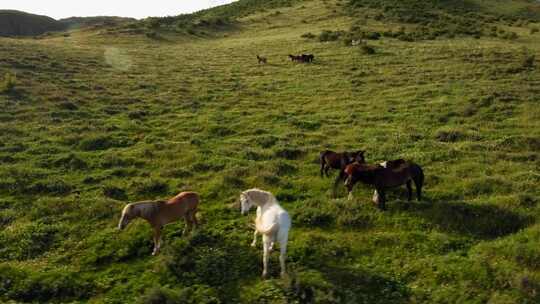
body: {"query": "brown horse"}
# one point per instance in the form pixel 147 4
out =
pixel 334 160
pixel 261 59
pixel 308 57
pixel 159 213
pixel 339 160
pixel 382 178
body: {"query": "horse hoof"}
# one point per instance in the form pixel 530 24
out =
pixel 253 244
pixel 264 275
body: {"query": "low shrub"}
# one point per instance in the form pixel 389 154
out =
pixel 150 187
pixel 289 153
pixel 29 242
pixel 55 285
pixel 528 62
pixel 206 258
pixel 190 295
pixel 115 193
pixel 308 36
pixel 368 50
pixel 71 161
pixel 327 35
pixel 103 142
pixel 7 85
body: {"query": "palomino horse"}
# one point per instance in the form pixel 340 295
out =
pixel 159 213
pixel 383 178
pixel 334 160
pixel 272 221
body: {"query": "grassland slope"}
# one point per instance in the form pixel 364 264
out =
pixel 100 118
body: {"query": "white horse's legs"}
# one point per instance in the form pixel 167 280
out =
pixel 375 198
pixel 254 243
pixel 283 255
pixel 266 252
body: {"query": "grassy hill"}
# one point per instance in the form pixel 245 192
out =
pixel 104 117
pixel 16 23
pixel 99 21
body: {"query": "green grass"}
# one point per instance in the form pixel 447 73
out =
pixel 100 118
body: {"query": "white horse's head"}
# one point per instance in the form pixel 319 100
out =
pixel 245 203
pixel 128 213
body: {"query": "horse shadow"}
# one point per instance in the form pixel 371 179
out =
pixel 480 221
pixel 344 285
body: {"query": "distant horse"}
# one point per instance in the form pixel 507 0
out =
pixel 383 178
pixel 261 59
pixel 334 160
pixel 272 221
pixel 159 213
pixel 308 57
pixel 297 58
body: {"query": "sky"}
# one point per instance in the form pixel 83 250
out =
pixel 125 8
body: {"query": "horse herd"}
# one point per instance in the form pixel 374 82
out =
pixel 272 221
pixel 294 58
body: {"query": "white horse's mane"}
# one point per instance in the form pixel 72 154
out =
pixel 255 194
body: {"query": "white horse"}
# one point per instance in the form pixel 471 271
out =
pixel 272 221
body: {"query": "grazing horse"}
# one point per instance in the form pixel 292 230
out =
pixel 159 213
pixel 382 178
pixel 272 221
pixel 296 58
pixel 308 57
pixel 339 160
pixel 261 59
pixel 333 160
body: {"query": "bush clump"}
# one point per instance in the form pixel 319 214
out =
pixel 102 142
pixel 190 295
pixel 7 85
pixel 368 50
pixel 43 287
pixel 29 242
pixel 308 35
pixel 327 35
pixel 150 187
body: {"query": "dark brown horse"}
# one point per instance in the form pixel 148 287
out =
pixel 297 58
pixel 400 172
pixel 307 57
pixel 339 160
pixel 261 59
pixel 334 160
